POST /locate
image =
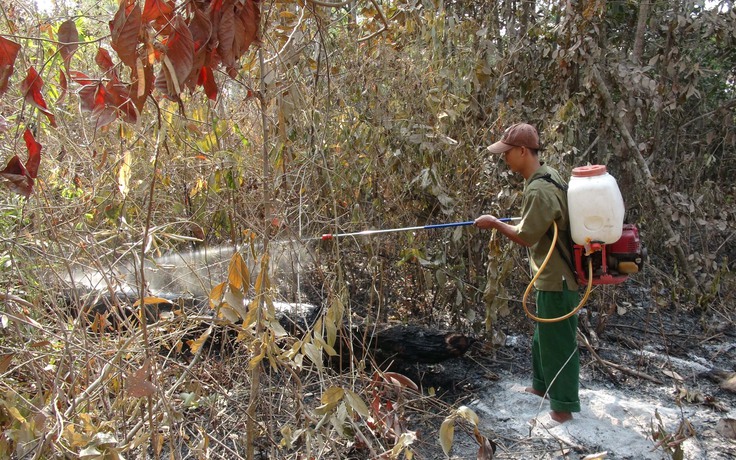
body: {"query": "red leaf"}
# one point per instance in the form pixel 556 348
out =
pixel 34 154
pixel 103 116
pixel 207 81
pixel 125 28
pixel 68 38
pixel 31 88
pixel 215 12
pixel 8 53
pixel 226 34
pixel 14 167
pixel 63 85
pixel 201 30
pixel 247 27
pixel 142 86
pixel 179 58
pixel 158 10
pixel 79 77
pixel 118 98
pixel 103 60
pixel 15 173
pixel 91 95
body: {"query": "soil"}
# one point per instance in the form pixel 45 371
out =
pixel 658 376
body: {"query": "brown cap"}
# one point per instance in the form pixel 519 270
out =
pixel 518 135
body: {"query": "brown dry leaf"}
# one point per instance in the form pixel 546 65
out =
pixel 138 385
pixel 400 380
pixel 691 396
pixel 673 375
pixel 152 301
pixel 216 295
pixel 447 434
pixel 100 323
pixel 238 274
pixel 5 360
pixel 197 343
pixel 729 384
pixel 727 427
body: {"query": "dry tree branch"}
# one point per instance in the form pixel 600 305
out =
pixel 382 29
pixel 16 299
pixel 330 4
pixel 643 169
pixel 618 367
pixel 726 106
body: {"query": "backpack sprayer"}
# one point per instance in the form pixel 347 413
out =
pixel 610 249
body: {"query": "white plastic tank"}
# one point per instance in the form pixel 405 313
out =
pixel 595 205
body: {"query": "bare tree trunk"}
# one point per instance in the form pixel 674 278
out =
pixel 646 176
pixel 636 56
pixel 641 26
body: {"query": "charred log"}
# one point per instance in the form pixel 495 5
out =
pixel 413 343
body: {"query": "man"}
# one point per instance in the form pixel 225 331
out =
pixel 555 360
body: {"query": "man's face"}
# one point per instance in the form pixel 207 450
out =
pixel 513 158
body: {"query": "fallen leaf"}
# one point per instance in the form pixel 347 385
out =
pixel 727 427
pixel 447 434
pixel 729 384
pixel 673 375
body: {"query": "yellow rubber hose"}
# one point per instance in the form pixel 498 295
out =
pixel 539 272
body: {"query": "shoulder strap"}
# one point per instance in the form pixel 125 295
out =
pixel 548 177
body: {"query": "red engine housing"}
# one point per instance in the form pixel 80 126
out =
pixel 612 263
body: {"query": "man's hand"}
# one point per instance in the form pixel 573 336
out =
pixel 487 221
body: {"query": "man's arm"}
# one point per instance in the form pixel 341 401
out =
pixel 487 221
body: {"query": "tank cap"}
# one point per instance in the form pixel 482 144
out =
pixel 589 171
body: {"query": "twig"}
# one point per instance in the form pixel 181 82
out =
pixel 103 375
pixel 16 299
pixel 330 4
pixel 167 394
pixel 725 106
pixel 382 29
pixel 618 367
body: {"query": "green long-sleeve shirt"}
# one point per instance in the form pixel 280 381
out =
pixel 543 203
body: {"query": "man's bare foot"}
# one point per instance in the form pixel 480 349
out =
pixel 551 420
pixel 560 417
pixel 534 392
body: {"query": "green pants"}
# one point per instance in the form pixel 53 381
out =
pixel 555 359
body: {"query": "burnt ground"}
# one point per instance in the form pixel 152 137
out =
pixel 650 366
pixel 655 369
